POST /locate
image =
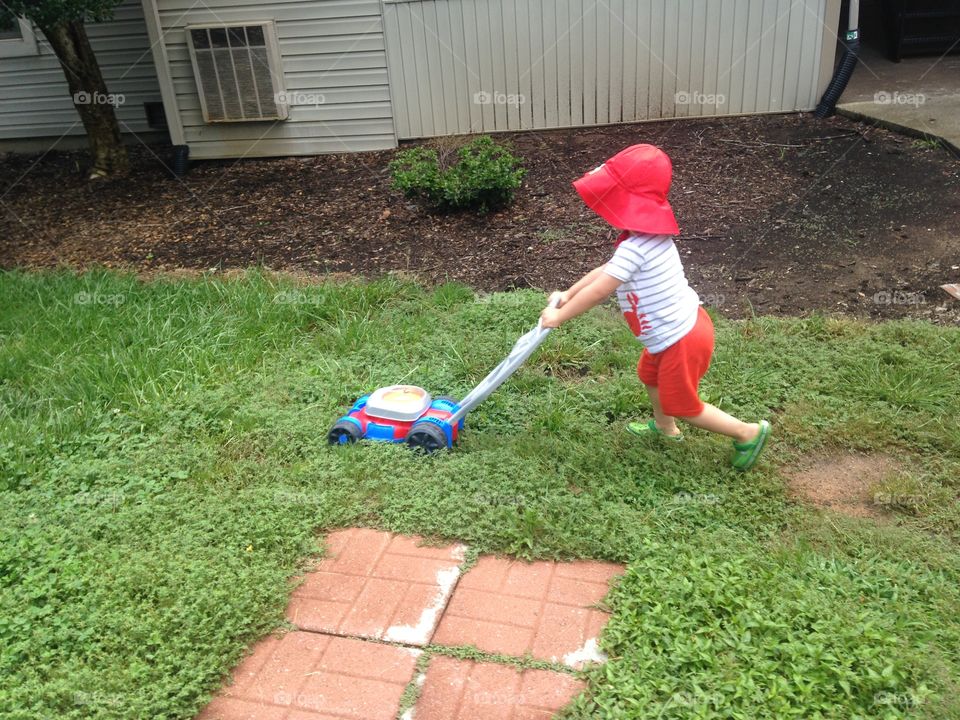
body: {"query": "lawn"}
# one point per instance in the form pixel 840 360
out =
pixel 164 474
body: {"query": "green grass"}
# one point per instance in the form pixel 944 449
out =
pixel 164 473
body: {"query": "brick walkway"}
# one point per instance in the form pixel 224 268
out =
pixel 376 599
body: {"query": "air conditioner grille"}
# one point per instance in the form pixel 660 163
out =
pixel 237 74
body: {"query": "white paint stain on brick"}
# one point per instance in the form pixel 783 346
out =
pixel 589 653
pixel 459 552
pixel 420 633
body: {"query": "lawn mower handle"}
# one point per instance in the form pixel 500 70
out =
pixel 523 349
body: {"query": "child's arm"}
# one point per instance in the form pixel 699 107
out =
pixel 591 290
pixel 564 297
pixel 579 285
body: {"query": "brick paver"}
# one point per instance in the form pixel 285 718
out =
pixel 310 676
pixel 542 608
pixel 377 585
pixel 466 690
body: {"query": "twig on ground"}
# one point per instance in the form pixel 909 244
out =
pixel 760 143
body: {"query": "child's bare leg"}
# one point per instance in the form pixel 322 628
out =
pixel 716 420
pixel 666 423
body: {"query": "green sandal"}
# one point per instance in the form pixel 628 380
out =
pixel 746 454
pixel 649 429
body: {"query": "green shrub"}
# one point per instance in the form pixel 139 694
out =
pixel 481 175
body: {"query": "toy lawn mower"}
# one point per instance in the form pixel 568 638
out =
pixel 407 413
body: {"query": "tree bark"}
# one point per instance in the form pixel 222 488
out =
pixel 90 97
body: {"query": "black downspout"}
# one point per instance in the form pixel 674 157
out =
pixel 181 160
pixel 841 77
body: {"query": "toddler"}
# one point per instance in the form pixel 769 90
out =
pixel 629 191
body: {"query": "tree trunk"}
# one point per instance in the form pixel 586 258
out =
pixel 89 93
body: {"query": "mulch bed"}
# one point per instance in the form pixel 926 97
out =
pixel 779 215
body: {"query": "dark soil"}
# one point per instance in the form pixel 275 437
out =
pixel 779 215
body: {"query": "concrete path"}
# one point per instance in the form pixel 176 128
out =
pixel 366 616
pixel 920 95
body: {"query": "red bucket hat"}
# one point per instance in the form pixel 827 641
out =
pixel 629 191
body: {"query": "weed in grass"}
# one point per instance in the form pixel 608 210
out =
pixel 551 236
pixel 926 143
pixel 572 232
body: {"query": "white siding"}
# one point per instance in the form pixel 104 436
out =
pixel 583 62
pixel 35 102
pixel 329 48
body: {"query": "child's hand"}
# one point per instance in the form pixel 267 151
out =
pixel 550 318
pixel 560 298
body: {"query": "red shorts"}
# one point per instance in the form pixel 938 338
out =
pixel 676 371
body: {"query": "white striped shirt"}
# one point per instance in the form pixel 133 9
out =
pixel 656 301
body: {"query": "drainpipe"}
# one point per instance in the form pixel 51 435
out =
pixel 841 77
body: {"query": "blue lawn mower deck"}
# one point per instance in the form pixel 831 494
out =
pixel 407 413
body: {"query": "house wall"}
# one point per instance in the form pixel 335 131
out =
pixel 331 48
pixel 35 101
pixel 418 68
pixel 463 66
